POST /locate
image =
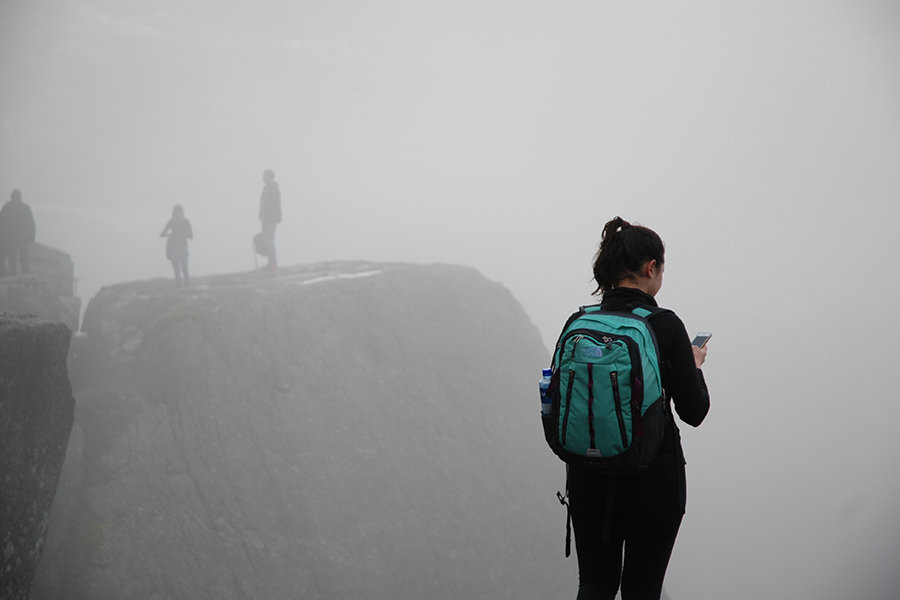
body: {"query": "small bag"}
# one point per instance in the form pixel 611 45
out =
pixel 259 245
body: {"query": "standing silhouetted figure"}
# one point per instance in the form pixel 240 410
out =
pixel 16 233
pixel 270 215
pixel 179 231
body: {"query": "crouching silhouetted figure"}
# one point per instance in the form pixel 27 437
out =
pixel 179 231
pixel 16 233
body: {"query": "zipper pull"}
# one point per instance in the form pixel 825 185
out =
pixel 575 341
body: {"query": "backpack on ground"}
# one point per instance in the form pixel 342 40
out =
pixel 608 405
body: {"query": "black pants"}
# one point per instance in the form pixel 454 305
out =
pixel 180 266
pixel 10 254
pixel 643 520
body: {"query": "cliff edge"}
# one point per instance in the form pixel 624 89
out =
pixel 48 291
pixel 340 430
pixel 36 416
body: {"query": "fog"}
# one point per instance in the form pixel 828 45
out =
pixel 760 139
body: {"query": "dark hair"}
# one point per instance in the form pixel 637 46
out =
pixel 624 248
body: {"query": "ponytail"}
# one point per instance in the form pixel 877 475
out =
pixel 624 248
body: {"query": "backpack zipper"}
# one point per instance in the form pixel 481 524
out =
pixel 614 379
pixel 575 341
pixel 568 405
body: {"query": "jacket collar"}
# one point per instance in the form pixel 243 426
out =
pixel 620 297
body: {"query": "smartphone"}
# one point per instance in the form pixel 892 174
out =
pixel 701 339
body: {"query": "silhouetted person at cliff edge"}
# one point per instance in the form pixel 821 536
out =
pixel 270 215
pixel 16 233
pixel 179 231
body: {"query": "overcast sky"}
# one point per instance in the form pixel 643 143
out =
pixel 760 139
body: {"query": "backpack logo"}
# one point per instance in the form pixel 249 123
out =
pixel 592 351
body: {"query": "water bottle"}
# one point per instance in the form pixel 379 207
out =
pixel 545 397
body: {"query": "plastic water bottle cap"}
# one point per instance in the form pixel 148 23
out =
pixel 548 372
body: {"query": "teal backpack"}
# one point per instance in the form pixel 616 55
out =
pixel 608 404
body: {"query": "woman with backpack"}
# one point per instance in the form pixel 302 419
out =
pixel 639 512
pixel 178 229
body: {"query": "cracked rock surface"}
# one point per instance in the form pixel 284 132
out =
pixel 336 430
pixel 47 291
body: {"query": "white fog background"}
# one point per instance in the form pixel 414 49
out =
pixel 760 139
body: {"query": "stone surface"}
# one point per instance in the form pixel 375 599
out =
pixel 36 416
pixel 340 430
pixel 48 291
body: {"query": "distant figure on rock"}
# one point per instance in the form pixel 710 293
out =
pixel 16 233
pixel 179 231
pixel 270 215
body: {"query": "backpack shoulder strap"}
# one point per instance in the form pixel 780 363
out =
pixel 646 312
pixel 581 310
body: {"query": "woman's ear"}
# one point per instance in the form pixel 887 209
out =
pixel 648 269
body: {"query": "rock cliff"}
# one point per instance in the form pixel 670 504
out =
pixel 48 291
pixel 340 430
pixel 36 416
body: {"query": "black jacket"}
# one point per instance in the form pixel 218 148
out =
pixel 177 245
pixel 682 380
pixel 16 224
pixel 270 204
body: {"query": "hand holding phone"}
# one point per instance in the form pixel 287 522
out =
pixel 699 347
pixel 701 339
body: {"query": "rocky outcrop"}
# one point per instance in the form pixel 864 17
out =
pixel 47 291
pixel 36 416
pixel 341 430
